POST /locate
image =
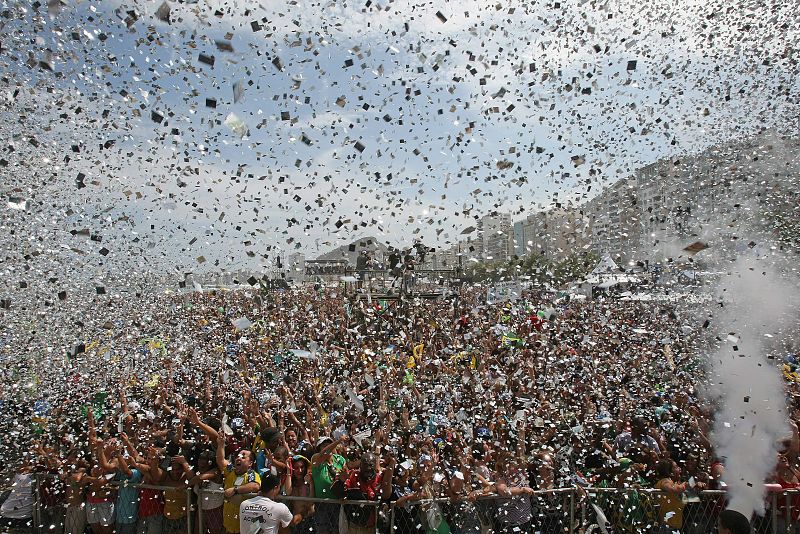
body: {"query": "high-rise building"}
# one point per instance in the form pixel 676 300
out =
pixel 614 221
pixel 497 236
pixel 724 193
pixel 555 233
pixel 519 239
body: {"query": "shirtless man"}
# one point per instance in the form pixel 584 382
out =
pixel 75 520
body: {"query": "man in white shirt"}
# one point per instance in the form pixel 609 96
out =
pixel 261 514
pixel 16 514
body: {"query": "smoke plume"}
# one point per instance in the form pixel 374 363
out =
pixel 754 308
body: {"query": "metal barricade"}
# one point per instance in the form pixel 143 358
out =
pixel 126 509
pixel 148 509
pixel 351 516
pixel 582 510
pixel 629 510
pixel 545 512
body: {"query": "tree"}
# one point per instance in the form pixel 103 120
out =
pixel 536 267
pixel 573 267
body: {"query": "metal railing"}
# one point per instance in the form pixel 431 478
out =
pixel 572 510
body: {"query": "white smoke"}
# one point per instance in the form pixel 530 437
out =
pixel 755 306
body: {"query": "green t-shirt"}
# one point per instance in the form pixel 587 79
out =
pixel 324 476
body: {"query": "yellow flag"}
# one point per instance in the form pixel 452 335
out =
pixel 411 363
pixel 473 364
pixel 418 351
pixel 153 382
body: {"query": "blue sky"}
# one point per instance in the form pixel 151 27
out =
pixel 434 105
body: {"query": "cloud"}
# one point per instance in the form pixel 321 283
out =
pixel 435 105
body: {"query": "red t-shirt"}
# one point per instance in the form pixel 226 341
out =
pixel 369 489
pixel 795 500
pixel 150 502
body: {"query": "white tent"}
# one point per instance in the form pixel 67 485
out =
pixel 607 274
pixel 605 266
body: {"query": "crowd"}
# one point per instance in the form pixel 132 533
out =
pixel 311 394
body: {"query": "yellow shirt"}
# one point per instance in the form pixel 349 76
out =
pixel 670 504
pixel 230 512
pixel 174 504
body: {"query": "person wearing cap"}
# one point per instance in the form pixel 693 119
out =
pixel 239 479
pixel 638 435
pixel 262 515
pixel 365 483
pixel 733 522
pixel 326 465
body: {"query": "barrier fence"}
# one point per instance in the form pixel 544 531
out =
pixel 147 509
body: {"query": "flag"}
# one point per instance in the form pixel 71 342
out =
pixel 511 338
pixel 411 363
pixel 418 351
pixel 97 403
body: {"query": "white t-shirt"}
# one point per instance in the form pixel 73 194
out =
pixel 19 504
pixel 261 515
pixel 212 499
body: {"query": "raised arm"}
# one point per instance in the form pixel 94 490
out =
pixel 302 428
pixel 192 478
pixel 102 459
pixel 521 441
pixel 91 426
pixel 322 456
pixel 281 422
pixel 49 457
pixel 313 434
pixel 129 446
pixel 207 429
pixel 222 463
pixel 122 464
pixel 386 478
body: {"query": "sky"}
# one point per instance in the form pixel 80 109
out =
pixel 225 133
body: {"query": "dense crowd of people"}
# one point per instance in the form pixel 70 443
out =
pixel 321 397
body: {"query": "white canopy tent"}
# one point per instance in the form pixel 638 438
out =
pixel 605 275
